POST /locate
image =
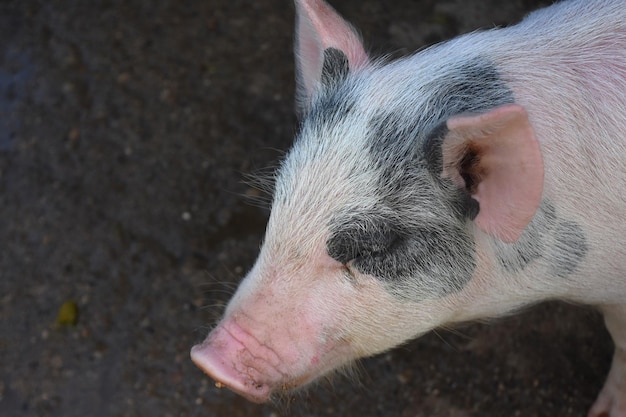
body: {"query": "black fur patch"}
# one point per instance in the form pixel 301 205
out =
pixel 569 249
pixel 333 101
pixel 333 105
pixel 462 202
pixel 438 260
pixel 360 237
pixel 335 67
pixel 531 245
pixel 431 150
pixel 560 243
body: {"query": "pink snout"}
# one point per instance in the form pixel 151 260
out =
pixel 235 359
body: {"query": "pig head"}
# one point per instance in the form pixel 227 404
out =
pixel 412 189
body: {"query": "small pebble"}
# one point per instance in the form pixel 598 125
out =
pixel 68 314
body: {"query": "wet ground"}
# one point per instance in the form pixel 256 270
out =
pixel 127 129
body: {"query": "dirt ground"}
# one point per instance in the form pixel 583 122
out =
pixel 127 129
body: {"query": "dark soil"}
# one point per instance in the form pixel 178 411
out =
pixel 127 129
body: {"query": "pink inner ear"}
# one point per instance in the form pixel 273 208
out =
pixel 510 168
pixel 334 32
pixel 321 27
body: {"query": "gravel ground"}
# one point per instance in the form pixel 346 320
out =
pixel 127 132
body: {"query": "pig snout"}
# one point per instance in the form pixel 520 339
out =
pixel 255 359
pixel 235 359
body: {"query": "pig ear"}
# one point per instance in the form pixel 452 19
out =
pixel 497 158
pixel 326 47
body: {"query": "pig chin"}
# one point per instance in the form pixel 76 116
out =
pixel 234 358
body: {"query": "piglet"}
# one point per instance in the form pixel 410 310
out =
pixel 465 181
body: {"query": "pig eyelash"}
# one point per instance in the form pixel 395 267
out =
pixel 348 272
pixel 350 264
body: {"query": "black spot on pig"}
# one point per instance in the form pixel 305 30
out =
pixel 461 200
pixel 472 87
pixel 333 106
pixel 548 213
pixel 476 87
pixel 559 243
pixel 465 206
pixel 569 249
pixel 431 150
pixel 335 67
pixel 358 237
pixel 412 262
pixel 531 245
pixel 520 254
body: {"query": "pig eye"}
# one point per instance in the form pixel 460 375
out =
pixel 373 253
pixel 358 242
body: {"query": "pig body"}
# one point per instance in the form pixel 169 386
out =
pixel 462 182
